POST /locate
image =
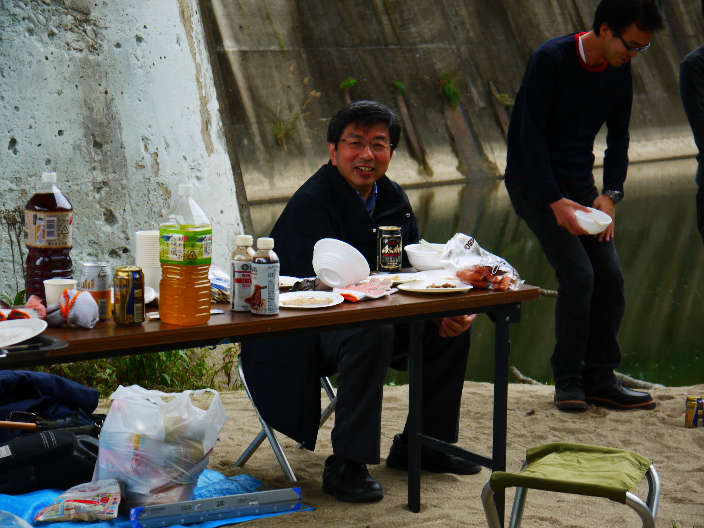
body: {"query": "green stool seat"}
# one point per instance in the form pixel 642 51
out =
pixel 580 469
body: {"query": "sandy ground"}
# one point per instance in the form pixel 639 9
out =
pixel 449 500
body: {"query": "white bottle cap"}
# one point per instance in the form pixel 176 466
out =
pixel 49 177
pixel 243 240
pixel 265 243
pixel 185 189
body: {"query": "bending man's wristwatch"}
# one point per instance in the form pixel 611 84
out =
pixel 616 196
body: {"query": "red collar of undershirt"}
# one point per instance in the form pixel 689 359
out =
pixel 600 67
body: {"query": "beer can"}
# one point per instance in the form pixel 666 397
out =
pixel 690 411
pixel 389 254
pixel 128 284
pixel 96 279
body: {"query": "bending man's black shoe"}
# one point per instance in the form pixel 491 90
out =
pixel 349 481
pixel 569 395
pixel 616 396
pixel 430 460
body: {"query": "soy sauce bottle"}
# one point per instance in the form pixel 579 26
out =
pixel 265 279
pixel 48 228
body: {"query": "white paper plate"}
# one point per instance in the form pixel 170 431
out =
pixel 286 282
pixel 18 330
pixel 423 286
pixel 309 299
pixel 397 278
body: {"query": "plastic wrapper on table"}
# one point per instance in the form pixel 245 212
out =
pixel 474 265
pixel 157 444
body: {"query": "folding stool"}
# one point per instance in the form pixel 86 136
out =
pixel 581 469
pixel 268 432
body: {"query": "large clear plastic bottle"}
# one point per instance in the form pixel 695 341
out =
pixel 185 251
pixel 48 227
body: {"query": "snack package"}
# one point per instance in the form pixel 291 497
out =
pixel 93 501
pixel 474 265
pixel 372 288
pixel 157 444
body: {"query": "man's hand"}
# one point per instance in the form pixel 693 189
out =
pixel 454 326
pixel 564 209
pixel 606 204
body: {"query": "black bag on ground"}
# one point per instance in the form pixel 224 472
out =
pixel 47 459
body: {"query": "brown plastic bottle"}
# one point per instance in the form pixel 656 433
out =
pixel 48 232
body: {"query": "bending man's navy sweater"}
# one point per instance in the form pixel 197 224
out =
pixel 559 109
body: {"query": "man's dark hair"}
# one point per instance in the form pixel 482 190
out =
pixel 619 14
pixel 365 113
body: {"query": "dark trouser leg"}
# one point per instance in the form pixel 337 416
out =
pixel 608 305
pixel 361 358
pixel 590 300
pixel 444 366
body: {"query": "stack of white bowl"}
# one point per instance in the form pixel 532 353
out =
pixel 147 257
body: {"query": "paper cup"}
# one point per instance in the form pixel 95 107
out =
pixel 53 288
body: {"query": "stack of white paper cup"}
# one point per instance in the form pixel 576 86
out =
pixel 148 257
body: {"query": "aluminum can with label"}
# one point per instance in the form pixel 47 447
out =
pixel 690 411
pixel 96 279
pixel 389 248
pixel 128 284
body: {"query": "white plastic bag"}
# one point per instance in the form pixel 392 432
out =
pixel 474 265
pixel 157 444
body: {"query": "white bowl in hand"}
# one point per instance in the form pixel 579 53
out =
pixel 425 256
pixel 338 264
pixel 593 222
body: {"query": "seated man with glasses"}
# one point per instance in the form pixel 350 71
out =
pixel 348 199
pixel 573 85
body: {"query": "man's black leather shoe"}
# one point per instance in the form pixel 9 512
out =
pixel 616 396
pixel 430 460
pixel 569 395
pixel 349 481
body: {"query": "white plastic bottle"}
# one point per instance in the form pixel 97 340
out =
pixel 265 279
pixel 241 274
pixel 185 252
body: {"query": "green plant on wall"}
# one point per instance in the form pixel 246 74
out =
pixel 285 126
pixel 449 89
pixel 13 220
pixel 346 86
pixel 400 87
pixel 503 98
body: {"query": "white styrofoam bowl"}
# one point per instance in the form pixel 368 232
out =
pixel 422 257
pixel 593 222
pixel 338 264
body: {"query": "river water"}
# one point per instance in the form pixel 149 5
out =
pixel 661 254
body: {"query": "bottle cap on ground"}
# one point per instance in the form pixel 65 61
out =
pixel 243 240
pixel 185 189
pixel 49 177
pixel 265 243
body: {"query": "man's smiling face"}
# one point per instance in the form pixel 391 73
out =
pixel 362 155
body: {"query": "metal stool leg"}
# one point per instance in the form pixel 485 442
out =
pixel 269 433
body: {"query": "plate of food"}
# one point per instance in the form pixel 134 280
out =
pixel 17 330
pixel 309 299
pixel 435 286
pixel 398 278
pixel 286 282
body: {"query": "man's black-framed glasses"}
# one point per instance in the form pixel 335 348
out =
pixel 356 145
pixel 631 48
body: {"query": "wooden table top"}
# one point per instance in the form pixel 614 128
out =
pixel 107 337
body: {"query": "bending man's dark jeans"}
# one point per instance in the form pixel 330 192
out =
pixel 361 357
pixel 590 302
